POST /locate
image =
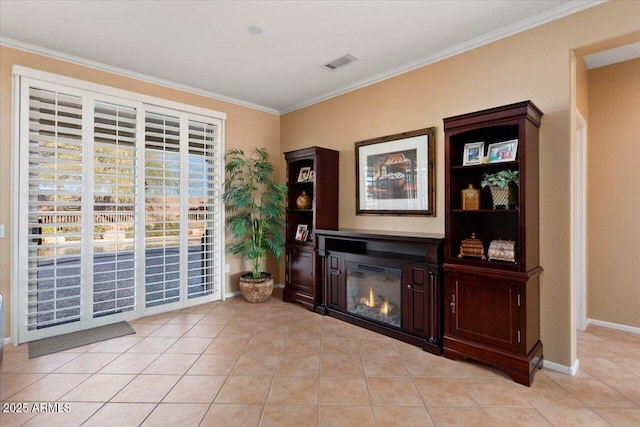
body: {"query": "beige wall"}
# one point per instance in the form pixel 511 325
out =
pixel 613 193
pixel 535 65
pixel 245 128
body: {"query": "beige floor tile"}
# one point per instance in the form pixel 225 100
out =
pixel 129 363
pixel 307 347
pixel 289 416
pixel 65 415
pixel 98 388
pixel 339 346
pixel 341 365
pixel 337 416
pixel 213 364
pixel 620 417
pixel 572 417
pixel 13 383
pixel 238 330
pixel 378 347
pixel 337 331
pixel 393 392
pixel 405 416
pixel 171 331
pixel 145 329
pixel 294 391
pixel 186 318
pixel 244 389
pixel 236 415
pixel 147 389
pixel 261 345
pixel 227 346
pixel 495 392
pixel 155 319
pixel 177 414
pixel 345 391
pixel 612 334
pixel 306 331
pixel 472 369
pixel 195 389
pixel 87 363
pixel 601 349
pixel 516 417
pixel 216 319
pixel 16 416
pixel 171 364
pixel 204 331
pixel 459 416
pixel 544 392
pixel 256 364
pixel 190 345
pixel 628 388
pixel 298 365
pixel 120 414
pixel 630 364
pixel 606 369
pixel 117 345
pixel 44 364
pixel 427 365
pixel 151 345
pixel 443 392
pixel 595 394
pixel 384 366
pixel 12 360
pixel 49 388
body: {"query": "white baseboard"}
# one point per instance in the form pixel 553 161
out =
pixel 569 370
pixel 617 326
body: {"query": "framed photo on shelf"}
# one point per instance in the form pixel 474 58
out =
pixel 303 176
pixel 395 174
pixel 473 152
pixel 302 232
pixel 505 151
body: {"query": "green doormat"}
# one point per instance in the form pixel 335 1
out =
pixel 78 339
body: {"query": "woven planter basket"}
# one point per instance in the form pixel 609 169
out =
pixel 504 198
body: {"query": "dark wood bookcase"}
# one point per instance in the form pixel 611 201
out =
pixel 303 276
pixel 492 307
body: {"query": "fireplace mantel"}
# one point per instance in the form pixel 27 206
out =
pixel 419 259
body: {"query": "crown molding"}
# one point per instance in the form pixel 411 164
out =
pixel 30 48
pixel 566 9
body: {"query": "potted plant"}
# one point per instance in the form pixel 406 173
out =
pixel 254 202
pixel 503 186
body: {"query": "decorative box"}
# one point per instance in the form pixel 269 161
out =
pixel 472 247
pixel 502 250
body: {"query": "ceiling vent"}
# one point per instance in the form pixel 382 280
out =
pixel 340 62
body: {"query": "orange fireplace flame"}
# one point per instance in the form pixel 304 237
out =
pixel 384 308
pixel 371 302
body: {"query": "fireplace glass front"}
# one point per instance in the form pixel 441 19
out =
pixel 374 292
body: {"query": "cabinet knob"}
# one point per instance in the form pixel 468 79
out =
pixel 408 286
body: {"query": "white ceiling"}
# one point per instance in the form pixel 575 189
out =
pixel 205 46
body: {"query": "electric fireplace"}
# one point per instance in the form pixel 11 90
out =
pixel 388 283
pixel 374 292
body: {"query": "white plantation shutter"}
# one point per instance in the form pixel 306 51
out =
pixel 202 233
pixel 162 209
pixel 118 212
pixel 53 277
pixel 114 209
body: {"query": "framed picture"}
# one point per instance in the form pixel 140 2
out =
pixel 303 176
pixel 473 152
pixel 302 232
pixel 395 174
pixel 503 151
pixel 310 178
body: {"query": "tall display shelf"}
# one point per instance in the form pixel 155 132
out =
pixel 314 172
pixel 492 305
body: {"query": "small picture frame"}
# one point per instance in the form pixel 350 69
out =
pixel 303 176
pixel 302 232
pixel 505 151
pixel 473 152
pixel 310 176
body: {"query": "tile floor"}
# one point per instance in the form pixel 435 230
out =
pixel 275 364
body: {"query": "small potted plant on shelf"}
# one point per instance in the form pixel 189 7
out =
pixel 503 186
pixel 254 202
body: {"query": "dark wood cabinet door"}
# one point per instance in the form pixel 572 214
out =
pixel 300 271
pixel 485 311
pixel 416 301
pixel 336 292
